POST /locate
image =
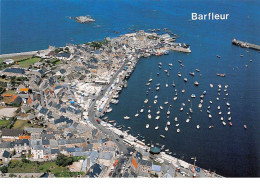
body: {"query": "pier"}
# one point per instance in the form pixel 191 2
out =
pixel 245 44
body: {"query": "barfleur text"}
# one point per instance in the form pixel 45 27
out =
pixel 209 16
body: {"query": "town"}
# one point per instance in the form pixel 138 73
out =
pixel 52 108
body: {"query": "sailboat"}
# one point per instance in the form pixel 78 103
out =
pixel 168 112
pixel 136 115
pixel 166 128
pixel 158 112
pixel 149 116
pixel 147 126
pixel 198 126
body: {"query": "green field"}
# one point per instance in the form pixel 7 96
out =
pixel 55 61
pixel 4 123
pixel 17 166
pixel 20 124
pixel 26 63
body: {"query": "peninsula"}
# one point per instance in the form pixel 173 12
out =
pixel 60 95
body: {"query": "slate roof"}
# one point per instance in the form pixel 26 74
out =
pixel 11 132
pixel 94 171
pixel 6 154
pixel 55 151
pixel 156 168
pixel 15 70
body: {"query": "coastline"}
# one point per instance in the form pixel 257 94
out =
pixel 136 143
pixel 129 139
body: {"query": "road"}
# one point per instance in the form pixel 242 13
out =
pixel 19 54
pixel 92 115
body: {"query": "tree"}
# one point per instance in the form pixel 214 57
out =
pixel 4 169
pixel 63 160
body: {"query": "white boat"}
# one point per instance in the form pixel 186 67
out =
pixel 156 128
pixel 181 109
pixel 146 101
pixel 161 107
pixel 210 116
pixel 218 107
pixel 193 96
pixel 177 125
pixel 170 64
pixel 226 86
pixel 168 112
pixel 149 111
pixel 168 123
pixel 245 127
pixel 198 126
pixel 142 110
pixel 162 136
pixel 127 117
pixel 210 102
pixel 150 80
pixel 220 113
pixel 166 85
pixel 228 104
pixel 200 105
pixel 176 119
pixel 175 98
pixel 109 109
pixel 136 115
pixel 165 71
pixel 166 128
pixel 221 118
pixel 224 123
pixel 173 84
pixel 157 117
pixel 155 101
pixel 219 86
pixel 149 116
pixel 211 126
pixel 229 118
pixel 187 120
pixel 157 88
pixel 211 85
pixel 158 112
pixel 178 130
pixel 228 112
pixel 183 90
pixel 147 126
pixel 217 98
pixel 166 102
pixel 179 74
pixel 147 84
pixel 190 109
pixel 196 83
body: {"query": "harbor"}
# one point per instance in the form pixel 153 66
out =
pixel 177 99
pixel 245 44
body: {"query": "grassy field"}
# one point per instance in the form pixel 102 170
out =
pixel 55 61
pixel 15 58
pixel 12 92
pixel 20 124
pixel 4 123
pixel 18 166
pixel 28 62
